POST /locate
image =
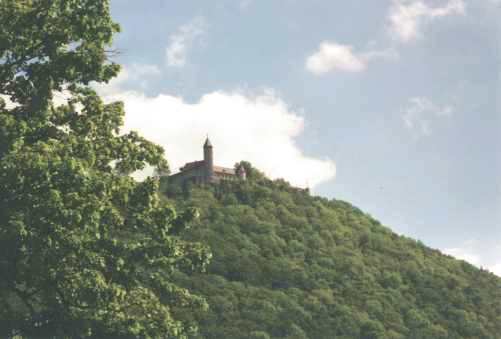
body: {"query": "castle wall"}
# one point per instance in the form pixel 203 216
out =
pixel 196 175
pixel 201 172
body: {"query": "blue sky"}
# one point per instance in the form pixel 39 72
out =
pixel 391 105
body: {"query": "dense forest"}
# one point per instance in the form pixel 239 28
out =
pixel 287 264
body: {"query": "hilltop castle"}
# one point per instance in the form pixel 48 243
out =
pixel 204 171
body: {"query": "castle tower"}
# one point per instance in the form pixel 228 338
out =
pixel 208 160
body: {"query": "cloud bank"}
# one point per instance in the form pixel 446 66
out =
pixel 258 128
pixel 332 57
pixel 406 17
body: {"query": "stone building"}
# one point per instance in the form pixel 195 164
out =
pixel 204 171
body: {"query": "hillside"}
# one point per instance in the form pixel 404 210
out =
pixel 290 265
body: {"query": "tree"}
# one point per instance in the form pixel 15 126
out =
pixel 85 251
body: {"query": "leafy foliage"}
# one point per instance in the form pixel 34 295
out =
pixel 85 251
pixel 290 265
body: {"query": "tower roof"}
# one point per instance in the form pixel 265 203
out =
pixel 207 142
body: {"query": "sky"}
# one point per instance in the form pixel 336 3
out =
pixel 391 105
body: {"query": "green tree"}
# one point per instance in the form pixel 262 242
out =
pixel 85 251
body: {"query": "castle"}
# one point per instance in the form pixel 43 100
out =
pixel 204 171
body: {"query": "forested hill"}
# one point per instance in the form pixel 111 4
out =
pixel 290 265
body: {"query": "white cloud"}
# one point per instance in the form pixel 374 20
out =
pixel 469 252
pixel 465 254
pixel 182 41
pixel 406 17
pixel 9 104
pixel 258 128
pixel 421 113
pixel 331 57
pixel 496 269
pixel 405 21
